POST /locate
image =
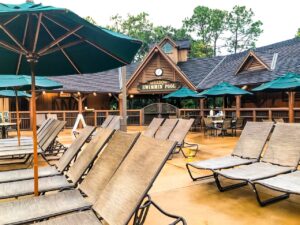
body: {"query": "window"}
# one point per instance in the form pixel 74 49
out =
pixel 167 48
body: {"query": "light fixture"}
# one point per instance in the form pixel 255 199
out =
pixel 109 94
pixel 61 92
pixel 131 96
pixel 78 93
pixel 244 87
pixel 44 92
pixel 95 94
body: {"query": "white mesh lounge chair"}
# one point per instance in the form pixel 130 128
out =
pixel 285 183
pixel 109 161
pixel 166 128
pixel 114 123
pixel 117 202
pixel 61 166
pixel 281 156
pixel 153 127
pixel 247 150
pixel 179 133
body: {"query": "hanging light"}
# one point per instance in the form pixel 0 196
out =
pixel 109 94
pixel 131 96
pixel 78 93
pixel 44 92
pixel 94 93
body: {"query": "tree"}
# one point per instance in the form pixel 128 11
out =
pixel 298 33
pixel 160 32
pixel 244 32
pixel 199 49
pixel 207 25
pixel 91 20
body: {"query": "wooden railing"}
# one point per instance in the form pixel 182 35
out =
pixel 136 117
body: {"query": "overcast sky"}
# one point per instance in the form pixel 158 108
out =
pixel 281 18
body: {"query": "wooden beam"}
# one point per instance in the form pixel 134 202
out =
pixel 55 49
pixel 37 32
pixel 291 106
pixel 11 47
pixel 23 42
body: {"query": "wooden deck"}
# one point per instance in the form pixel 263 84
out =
pixel 200 203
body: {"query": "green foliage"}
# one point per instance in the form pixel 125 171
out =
pixel 91 20
pixel 244 32
pixel 188 104
pixel 298 33
pixel 200 49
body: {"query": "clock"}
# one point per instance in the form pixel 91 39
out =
pixel 158 72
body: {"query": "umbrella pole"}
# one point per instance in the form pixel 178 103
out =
pixel 34 132
pixel 18 119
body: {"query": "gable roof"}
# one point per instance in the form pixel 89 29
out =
pixel 147 59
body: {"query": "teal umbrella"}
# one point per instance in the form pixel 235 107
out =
pixel 45 40
pixel 12 94
pixel 183 92
pixel 289 81
pixel 223 89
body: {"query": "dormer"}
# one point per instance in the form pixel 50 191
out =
pixel 256 60
pixel 176 50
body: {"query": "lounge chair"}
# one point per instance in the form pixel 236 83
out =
pixel 40 118
pixel 279 120
pixel 285 183
pixel 116 203
pixel 61 166
pixel 165 129
pixel 153 127
pixel 281 156
pixel 109 160
pixel 179 133
pixel 247 150
pixel 114 123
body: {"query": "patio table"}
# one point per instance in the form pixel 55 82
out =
pixel 4 127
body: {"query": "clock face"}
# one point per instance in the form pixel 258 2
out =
pixel 158 72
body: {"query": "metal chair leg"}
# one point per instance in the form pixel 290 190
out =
pixel 196 178
pixel 228 187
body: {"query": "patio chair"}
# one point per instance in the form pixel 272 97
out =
pixel 279 120
pixel 40 118
pixel 285 183
pixel 153 127
pixel 109 160
pixel 208 125
pixel 237 125
pixel 226 125
pixel 52 116
pixel 179 133
pixel 117 202
pixel 165 129
pixel 61 166
pixel 247 150
pixel 281 156
pixel 115 123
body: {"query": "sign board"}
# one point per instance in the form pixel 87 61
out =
pixel 159 85
pixel 65 95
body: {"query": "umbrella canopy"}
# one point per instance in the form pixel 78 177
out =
pixel 183 92
pixel 12 94
pixel 70 43
pixel 223 89
pixel 289 81
pixel 45 40
pixel 23 83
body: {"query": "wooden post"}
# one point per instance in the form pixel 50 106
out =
pixel 291 106
pixel 254 115
pixel 238 105
pixel 123 113
pixel 202 107
pixel 141 117
pixel 95 119
pixel 18 118
pixel 270 114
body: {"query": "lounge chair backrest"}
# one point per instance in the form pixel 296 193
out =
pixel 132 181
pixel 42 129
pixel 181 130
pixel 107 163
pixel 40 119
pixel 165 130
pixel 279 120
pixel 107 120
pixel 253 139
pixel 52 134
pixel 46 132
pixel 115 123
pixel 74 148
pixel 153 127
pixel 284 145
pixel 53 116
pixel 89 154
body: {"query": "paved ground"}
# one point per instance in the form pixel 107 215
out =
pixel 200 202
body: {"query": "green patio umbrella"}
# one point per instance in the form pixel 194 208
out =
pixel 15 94
pixel 223 89
pixel 289 81
pixel 183 92
pixel 15 85
pixel 45 40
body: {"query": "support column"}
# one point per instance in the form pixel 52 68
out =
pixel 291 106
pixel 123 112
pixel 238 105
pixel 202 107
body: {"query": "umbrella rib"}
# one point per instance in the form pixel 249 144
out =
pixel 63 51
pixel 13 38
pixel 23 42
pixel 38 26
pixel 89 42
pixel 11 19
pixel 10 47
pixel 55 49
pixel 58 40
